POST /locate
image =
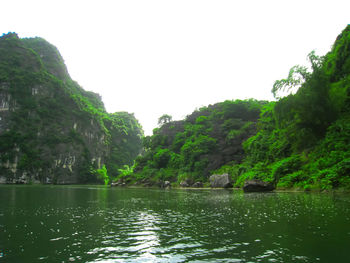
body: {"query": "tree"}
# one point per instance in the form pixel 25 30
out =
pixel 164 119
pixel 297 75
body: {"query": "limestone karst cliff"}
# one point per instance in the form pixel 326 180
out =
pixel 52 130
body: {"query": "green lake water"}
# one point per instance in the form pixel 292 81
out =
pixel 100 224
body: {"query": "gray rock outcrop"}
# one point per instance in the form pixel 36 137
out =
pixel 166 185
pixel 51 129
pixel 220 181
pixel 185 183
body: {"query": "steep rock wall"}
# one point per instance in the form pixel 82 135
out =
pixel 51 130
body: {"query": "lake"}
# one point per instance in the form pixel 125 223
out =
pixel 100 224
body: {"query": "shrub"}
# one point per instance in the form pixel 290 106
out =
pixel 103 175
pixel 285 166
pixel 292 179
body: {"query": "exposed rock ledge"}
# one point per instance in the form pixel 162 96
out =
pixel 220 181
pixel 257 186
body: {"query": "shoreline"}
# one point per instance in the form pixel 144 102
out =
pixel 234 189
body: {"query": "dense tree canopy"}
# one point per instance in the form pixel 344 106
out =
pixel 301 140
pixel 192 148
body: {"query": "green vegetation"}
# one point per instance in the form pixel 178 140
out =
pixel 52 126
pixel 103 175
pixel 190 149
pixel 51 129
pixel 301 140
pixel 164 119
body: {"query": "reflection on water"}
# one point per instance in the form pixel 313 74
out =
pixel 139 241
pixel 97 224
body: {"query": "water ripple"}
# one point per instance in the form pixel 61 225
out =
pixel 138 225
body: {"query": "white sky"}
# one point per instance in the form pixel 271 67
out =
pixel 169 57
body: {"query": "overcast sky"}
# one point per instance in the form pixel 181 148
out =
pixel 170 57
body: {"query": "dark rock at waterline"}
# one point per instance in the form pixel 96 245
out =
pixel 197 185
pixel 165 184
pixel 257 186
pixel 220 181
pixel 186 183
pixel 20 181
pixel 147 183
pixel 119 183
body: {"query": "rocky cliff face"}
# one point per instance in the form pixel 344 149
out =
pixel 189 151
pixel 51 130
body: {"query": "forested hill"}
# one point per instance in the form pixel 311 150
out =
pixel 191 149
pixel 52 130
pixel 302 140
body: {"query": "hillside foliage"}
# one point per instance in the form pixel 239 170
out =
pixel 191 149
pixel 301 140
pixel 51 129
